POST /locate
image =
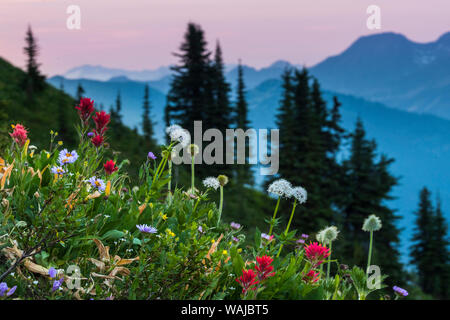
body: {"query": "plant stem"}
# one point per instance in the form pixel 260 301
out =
pixel 370 251
pixel 329 260
pixel 170 176
pixel 220 204
pixel 192 175
pixel 288 225
pixel 274 215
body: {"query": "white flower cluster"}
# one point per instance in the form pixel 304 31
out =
pixel 327 235
pixel 177 133
pixel 372 223
pixel 300 194
pixel 281 188
pixel 211 182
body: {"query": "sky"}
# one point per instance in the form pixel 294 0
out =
pixel 143 34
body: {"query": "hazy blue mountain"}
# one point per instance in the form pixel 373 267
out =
pixel 391 69
pixel 103 73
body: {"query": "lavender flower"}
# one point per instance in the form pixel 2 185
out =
pixel 145 228
pixel 58 170
pixel 200 229
pixel 235 225
pixel 151 155
pixel 235 239
pixel 66 157
pixel 400 291
pixel 3 288
pixel 57 284
pixel 305 236
pixel 300 241
pixel 52 272
pixel 266 236
pixel 97 183
pixel 90 134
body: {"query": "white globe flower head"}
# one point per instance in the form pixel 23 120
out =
pixel 327 235
pixel 372 223
pixel 300 194
pixel 281 188
pixel 171 128
pixel 211 182
pixel 180 135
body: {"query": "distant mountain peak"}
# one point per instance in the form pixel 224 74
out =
pixel 280 64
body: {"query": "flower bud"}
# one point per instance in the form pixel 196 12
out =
pixel 223 179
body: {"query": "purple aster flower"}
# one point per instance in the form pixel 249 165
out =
pixel 300 241
pixel 97 183
pixel 3 288
pixel 400 291
pixel 57 284
pixel 58 170
pixel 90 134
pixel 235 239
pixel 151 155
pixel 235 225
pixel 52 272
pixel 11 291
pixel 305 236
pixel 66 157
pixel 145 228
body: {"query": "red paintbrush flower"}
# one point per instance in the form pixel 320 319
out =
pixel 97 140
pixel 247 280
pixel 19 134
pixel 101 120
pixel 264 268
pixel 311 276
pixel 85 108
pixel 110 167
pixel 316 253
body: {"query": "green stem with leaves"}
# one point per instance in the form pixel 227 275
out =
pixel 329 260
pixel 272 222
pixel 288 225
pixel 192 174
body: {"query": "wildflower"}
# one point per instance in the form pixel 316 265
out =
pixel 97 183
pixel 57 284
pixel 264 268
pixel 58 170
pixel 101 120
pixel 281 188
pixel 223 180
pixel 224 252
pixel 110 167
pixel 235 225
pixel 247 280
pixel 66 157
pixel 170 233
pixel 316 253
pixel 85 108
pixel 299 194
pixel 235 239
pixel 4 290
pixel 311 276
pixel 327 235
pixel 180 135
pixel 90 134
pixel 60 143
pixel 97 140
pixel 163 216
pixel 193 149
pixel 300 241
pixel 400 291
pixel 151 155
pixel 200 229
pixel 305 236
pixel 19 134
pixel 266 236
pixel 146 229
pixel 372 223
pixel 52 272
pixel 211 182
pixel 172 127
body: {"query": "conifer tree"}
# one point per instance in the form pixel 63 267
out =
pixel 366 187
pixel 34 81
pixel 147 123
pixel 80 92
pixel 422 249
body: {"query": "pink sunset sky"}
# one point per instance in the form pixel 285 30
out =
pixel 142 34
